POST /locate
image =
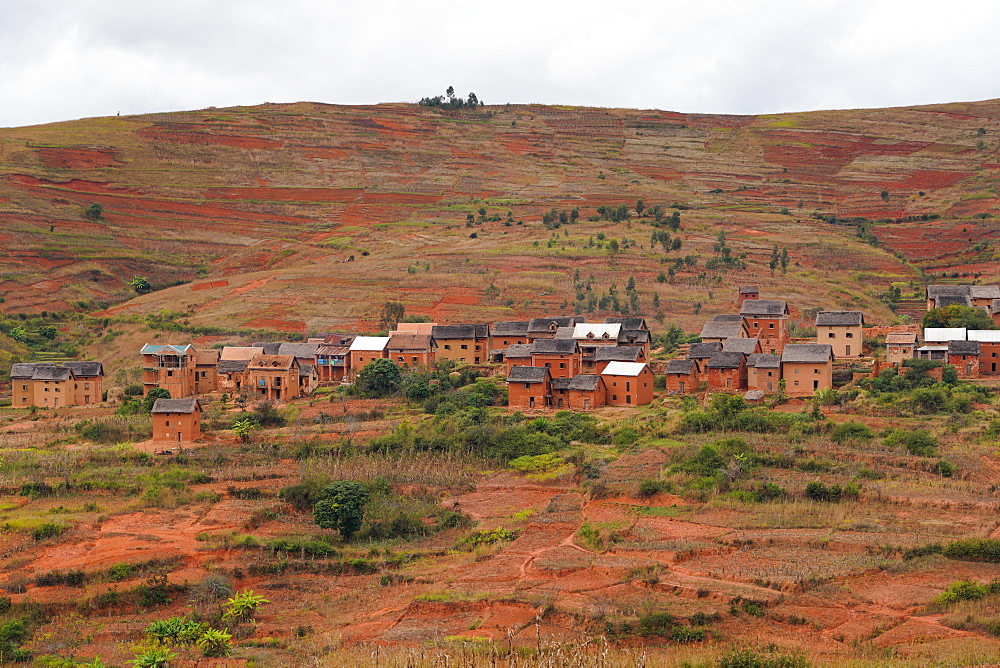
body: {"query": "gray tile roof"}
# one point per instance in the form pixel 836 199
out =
pixel 510 328
pixel 807 353
pixel 764 307
pixel 963 347
pixel 233 366
pixel 540 325
pixel 900 338
pixel 518 351
pixel 700 351
pixel 948 300
pixel 528 374
pixel 724 360
pixel 839 319
pixel 685 367
pixel 617 354
pixel 584 382
pixel 764 361
pixel 465 331
pixel 23 369
pixel 300 350
pixel 628 322
pixel 722 329
pixel 81 369
pixel 935 291
pixel 743 346
pixel 749 289
pixel 50 372
pixel 564 333
pixel 188 405
pixel 553 347
pixel 560 383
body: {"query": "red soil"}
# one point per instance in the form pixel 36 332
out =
pixel 161 134
pixel 77 158
pixel 209 285
pixel 277 325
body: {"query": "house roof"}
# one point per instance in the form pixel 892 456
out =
pixel 633 336
pixel 685 367
pixel 560 383
pixel 410 341
pixel 186 406
pixel 538 325
pixel 749 290
pixel 948 300
pixel 840 319
pixel 807 353
pixel 369 343
pixel 700 351
pixel 600 330
pixel 617 354
pixel 338 339
pixel 944 334
pixel 327 350
pixel 300 350
pixel 983 335
pixel 166 349
pixel 553 347
pixel 764 307
pixel 995 306
pixel 744 346
pixel 517 351
pixel 466 331
pixel 935 291
pixel 206 357
pixel 272 362
pixel 764 361
pixel 564 333
pixel 415 327
pixel 963 347
pixel 984 291
pixel 239 353
pixel 628 322
pixel 23 369
pixel 84 369
pixel 269 347
pixel 510 328
pixel 722 329
pixel 233 366
pixel 623 368
pixel 900 338
pixel 725 360
pixel 528 374
pixel 585 382
pixel 50 372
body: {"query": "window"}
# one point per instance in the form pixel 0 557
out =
pixel 527 386
pixel 796 371
pixel 816 370
pixel 796 383
pixel 414 358
pixel 562 365
pixel 25 387
pixel 832 335
pixel 86 386
pixel 770 325
pixel 465 347
pixel 447 346
pixel 401 358
pixel 849 335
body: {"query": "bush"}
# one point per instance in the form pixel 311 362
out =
pixel 656 623
pixel 917 442
pixel 944 468
pixel 851 431
pixel 967 591
pixel 747 658
pixel 818 491
pixel 46 530
pixel 648 488
pixel 974 549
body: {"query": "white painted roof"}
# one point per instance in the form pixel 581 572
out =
pixel 926 348
pixel 984 335
pixel 598 330
pixel 944 334
pixel 369 343
pixel 623 369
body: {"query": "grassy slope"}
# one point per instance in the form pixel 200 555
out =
pixel 285 193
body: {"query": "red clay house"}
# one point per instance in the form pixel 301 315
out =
pixel 628 384
pixel 176 420
pixel 529 387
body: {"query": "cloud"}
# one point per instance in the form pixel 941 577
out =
pixel 99 57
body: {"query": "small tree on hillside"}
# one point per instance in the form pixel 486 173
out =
pixel 94 212
pixel 140 284
pixel 392 315
pixel 379 378
pixel 342 507
pixel 152 396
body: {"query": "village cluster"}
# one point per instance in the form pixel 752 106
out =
pixel 559 362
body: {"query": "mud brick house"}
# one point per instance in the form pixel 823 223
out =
pixel 518 354
pixel 176 420
pixel 628 383
pixel 723 326
pixel 415 328
pixel 606 354
pixel 529 387
pixel 591 337
pixel 560 356
pixel 333 358
pixel 586 391
pixel 979 296
pixel 273 377
pixel 508 333
pixel 743 346
pixel 682 376
pixel 965 357
pixel 467 343
pixel 232 375
pixel 411 349
pixel 989 350
pixel 366 349
pixel 171 367
pixel 545 328
pixel 701 353
pixel 843 330
pixel 807 368
pixel 748 292
pixel 304 353
pixel 206 363
pixel 763 372
pixel 767 320
pixel 48 385
pixel 900 346
pixel 726 371
pixel 634 332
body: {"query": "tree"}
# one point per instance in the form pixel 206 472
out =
pixel 784 260
pixel 140 284
pixel 94 212
pixel 243 429
pixel 392 315
pixel 48 331
pixel 242 606
pixel 379 378
pixel 19 334
pixel 956 315
pixel 341 507
pixel 154 394
pixel 775 259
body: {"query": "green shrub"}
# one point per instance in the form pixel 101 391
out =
pixel 965 590
pixel 974 549
pixel 923 551
pixel 46 530
pixel 761 492
pixel 944 468
pixel 648 488
pixel 818 491
pixel 656 624
pixel 746 658
pixel 851 431
pixel 36 489
pixel 917 442
pixel 487 537
pixel 686 634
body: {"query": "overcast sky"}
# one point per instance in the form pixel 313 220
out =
pixel 66 59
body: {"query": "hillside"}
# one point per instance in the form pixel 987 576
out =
pixel 255 210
